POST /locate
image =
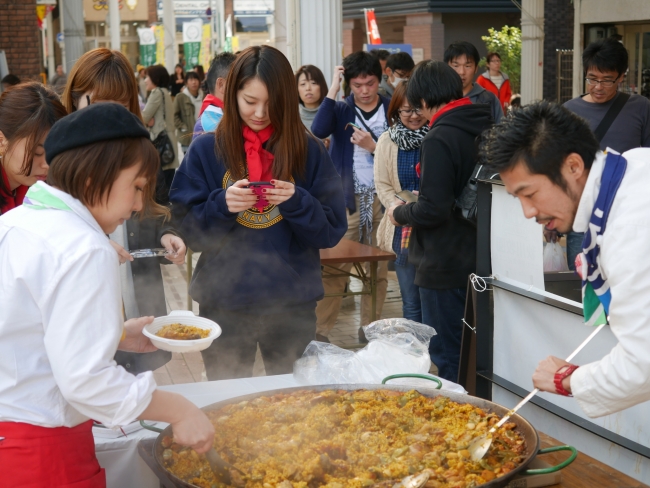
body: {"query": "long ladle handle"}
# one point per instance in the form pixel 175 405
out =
pixel 536 390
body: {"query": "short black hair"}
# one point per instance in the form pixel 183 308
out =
pixel 605 55
pixel 10 80
pixel 380 54
pixel 219 68
pixel 435 83
pixel 401 61
pixel 541 135
pixel 361 63
pixel 459 48
pixel 191 74
pixel 158 75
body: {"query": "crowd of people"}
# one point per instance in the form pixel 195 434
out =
pixel 275 166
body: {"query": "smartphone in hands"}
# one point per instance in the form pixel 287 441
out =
pixel 350 124
pixel 406 196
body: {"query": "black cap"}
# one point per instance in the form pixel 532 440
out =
pixel 98 122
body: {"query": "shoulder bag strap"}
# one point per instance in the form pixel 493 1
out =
pixel 363 122
pixel 611 115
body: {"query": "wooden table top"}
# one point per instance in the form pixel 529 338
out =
pixel 348 251
pixel 585 471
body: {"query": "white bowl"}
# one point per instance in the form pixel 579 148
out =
pixel 184 317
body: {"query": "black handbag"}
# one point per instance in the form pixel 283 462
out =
pixel 162 142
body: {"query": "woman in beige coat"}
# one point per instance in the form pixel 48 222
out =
pixel 158 115
pixel 397 156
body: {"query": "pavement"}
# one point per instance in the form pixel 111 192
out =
pixel 188 368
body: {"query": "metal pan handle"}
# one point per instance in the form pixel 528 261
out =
pixel 563 464
pixel 412 375
pixel 150 427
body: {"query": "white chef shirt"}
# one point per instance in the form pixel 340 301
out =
pixel 622 378
pixel 61 322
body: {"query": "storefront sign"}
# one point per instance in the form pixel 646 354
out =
pixel 130 10
pixel 147 47
pixel 192 36
pixel 391 48
pixel 253 7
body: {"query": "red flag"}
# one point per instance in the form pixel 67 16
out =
pixel 371 27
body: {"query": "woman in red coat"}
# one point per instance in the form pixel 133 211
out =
pixel 495 81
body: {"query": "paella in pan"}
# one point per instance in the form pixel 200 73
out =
pixel 350 438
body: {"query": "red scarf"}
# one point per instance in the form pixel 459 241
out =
pixel 258 160
pixel 210 100
pixel 11 201
pixel 450 106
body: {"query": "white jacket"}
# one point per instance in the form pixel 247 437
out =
pixel 622 378
pixel 61 322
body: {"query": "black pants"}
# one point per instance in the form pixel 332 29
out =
pixel 282 336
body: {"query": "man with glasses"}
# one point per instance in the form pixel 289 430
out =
pixel 619 121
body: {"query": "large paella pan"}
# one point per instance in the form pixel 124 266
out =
pixel 345 444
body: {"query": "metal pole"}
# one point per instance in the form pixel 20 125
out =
pixel 51 68
pixel 74 32
pixel 373 290
pixel 169 24
pixel 365 19
pixel 114 18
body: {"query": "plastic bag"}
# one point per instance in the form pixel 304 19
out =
pixel 554 259
pixel 395 346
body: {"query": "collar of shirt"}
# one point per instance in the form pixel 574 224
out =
pixel 75 205
pixel 589 194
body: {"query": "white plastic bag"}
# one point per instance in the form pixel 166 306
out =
pixel 395 346
pixel 554 259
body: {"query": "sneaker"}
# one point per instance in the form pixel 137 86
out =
pixel 322 338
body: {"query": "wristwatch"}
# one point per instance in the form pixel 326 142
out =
pixel 560 374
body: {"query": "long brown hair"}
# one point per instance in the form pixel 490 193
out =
pixel 289 140
pixel 108 75
pixel 27 111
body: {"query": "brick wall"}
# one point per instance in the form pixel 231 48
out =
pixel 354 36
pixel 20 38
pixel 558 34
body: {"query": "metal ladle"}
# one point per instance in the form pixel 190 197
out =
pixel 220 468
pixel 480 446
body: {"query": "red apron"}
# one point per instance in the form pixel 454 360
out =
pixel 41 457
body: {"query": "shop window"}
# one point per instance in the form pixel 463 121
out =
pixel 247 23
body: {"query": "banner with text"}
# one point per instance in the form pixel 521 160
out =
pixel 159 32
pixel 147 46
pixel 371 26
pixel 192 35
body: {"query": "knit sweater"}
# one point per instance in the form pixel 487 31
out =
pixel 267 260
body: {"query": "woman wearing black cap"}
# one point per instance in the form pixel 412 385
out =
pixel 61 319
pixel 104 75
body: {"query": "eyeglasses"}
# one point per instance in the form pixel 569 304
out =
pixel 410 112
pixel 603 83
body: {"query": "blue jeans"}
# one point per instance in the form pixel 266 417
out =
pixel 573 248
pixel 444 310
pixel 411 308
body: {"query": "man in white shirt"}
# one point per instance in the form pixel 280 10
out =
pixel 550 160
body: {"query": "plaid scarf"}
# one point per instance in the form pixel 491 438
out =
pixel 366 196
pixel 407 139
pixel 596 294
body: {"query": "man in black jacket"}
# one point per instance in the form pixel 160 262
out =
pixel 443 244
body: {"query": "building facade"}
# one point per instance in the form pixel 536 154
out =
pixel 20 38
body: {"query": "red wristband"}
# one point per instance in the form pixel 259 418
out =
pixel 560 374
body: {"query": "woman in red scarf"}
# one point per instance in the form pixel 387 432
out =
pixel 27 112
pixel 258 198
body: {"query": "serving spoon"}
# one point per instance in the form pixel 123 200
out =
pixel 480 446
pixel 220 467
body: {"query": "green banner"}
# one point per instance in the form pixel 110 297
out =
pixel 192 52
pixel 147 47
pixel 192 35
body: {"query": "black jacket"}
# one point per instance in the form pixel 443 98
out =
pixel 149 291
pixel 443 244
